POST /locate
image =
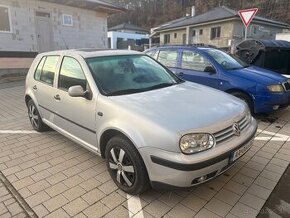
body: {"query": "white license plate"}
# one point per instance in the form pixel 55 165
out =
pixel 239 152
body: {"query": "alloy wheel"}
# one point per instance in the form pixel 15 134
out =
pixel 33 115
pixel 122 166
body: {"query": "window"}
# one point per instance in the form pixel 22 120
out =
pixel 215 33
pixel 128 74
pixel 200 31
pixel 151 53
pixel 39 69
pixel 168 58
pixel 4 19
pixel 175 35
pixel 226 61
pixel 48 70
pixel 194 61
pixel 71 74
pixel 67 20
pixel 193 33
pixel 166 38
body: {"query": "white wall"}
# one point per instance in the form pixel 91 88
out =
pixel 283 36
pixel 125 36
pixel 89 28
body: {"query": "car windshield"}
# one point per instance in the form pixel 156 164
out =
pixel 227 61
pixel 128 74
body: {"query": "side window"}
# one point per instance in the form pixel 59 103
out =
pixel 168 57
pixel 152 54
pixel 194 61
pixel 39 69
pixel 71 74
pixel 48 70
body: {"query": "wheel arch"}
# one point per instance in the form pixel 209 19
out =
pixel 107 135
pixel 27 98
pixel 230 91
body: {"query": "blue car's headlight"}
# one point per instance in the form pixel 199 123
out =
pixel 275 88
pixel 196 142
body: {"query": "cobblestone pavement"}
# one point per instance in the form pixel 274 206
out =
pixel 9 207
pixel 53 177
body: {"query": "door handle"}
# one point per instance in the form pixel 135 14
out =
pixel 34 87
pixel 57 97
pixel 180 74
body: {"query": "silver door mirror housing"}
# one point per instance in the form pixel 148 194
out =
pixel 76 91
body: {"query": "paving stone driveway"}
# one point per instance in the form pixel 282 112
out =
pixel 57 178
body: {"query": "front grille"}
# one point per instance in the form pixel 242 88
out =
pixel 228 132
pixel 286 86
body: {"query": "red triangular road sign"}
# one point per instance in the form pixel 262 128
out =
pixel 247 15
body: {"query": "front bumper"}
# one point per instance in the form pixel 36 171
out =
pixel 265 104
pixel 178 170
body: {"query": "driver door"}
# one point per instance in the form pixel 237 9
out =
pixel 196 68
pixel 76 115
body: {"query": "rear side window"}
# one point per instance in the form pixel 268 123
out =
pixel 168 57
pixel 71 74
pixel 49 69
pixel 39 69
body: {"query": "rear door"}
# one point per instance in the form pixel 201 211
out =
pixel 43 86
pixel 76 115
pixel 195 67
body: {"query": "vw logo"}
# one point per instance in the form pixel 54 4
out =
pixel 236 129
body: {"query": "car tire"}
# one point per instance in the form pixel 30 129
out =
pixel 246 99
pixel 35 118
pixel 125 166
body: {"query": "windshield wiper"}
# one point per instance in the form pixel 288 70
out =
pixel 161 85
pixel 132 91
pixel 125 91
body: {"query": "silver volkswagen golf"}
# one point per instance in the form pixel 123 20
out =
pixel 151 127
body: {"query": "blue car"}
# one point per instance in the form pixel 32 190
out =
pixel 263 90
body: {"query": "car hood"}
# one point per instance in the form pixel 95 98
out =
pixel 259 75
pixel 183 108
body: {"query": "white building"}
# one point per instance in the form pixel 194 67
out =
pixel 127 35
pixel 283 36
pixel 44 25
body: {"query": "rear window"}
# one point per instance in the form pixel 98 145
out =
pixel 46 69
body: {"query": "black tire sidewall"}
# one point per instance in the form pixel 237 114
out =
pixel 141 182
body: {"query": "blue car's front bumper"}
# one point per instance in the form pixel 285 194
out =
pixel 271 102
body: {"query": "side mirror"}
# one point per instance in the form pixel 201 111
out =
pixel 209 69
pixel 76 91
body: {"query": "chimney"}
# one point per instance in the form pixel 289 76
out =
pixel 193 11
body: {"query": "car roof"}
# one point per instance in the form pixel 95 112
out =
pixel 90 53
pixel 194 46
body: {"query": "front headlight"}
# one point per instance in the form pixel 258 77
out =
pixel 275 88
pixel 193 143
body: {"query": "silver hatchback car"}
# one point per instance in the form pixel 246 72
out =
pixel 151 127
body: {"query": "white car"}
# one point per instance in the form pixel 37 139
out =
pixel 150 126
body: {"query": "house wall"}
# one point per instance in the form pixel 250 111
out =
pixel 89 27
pixel 232 32
pixel 227 28
pixel 173 41
pixel 255 30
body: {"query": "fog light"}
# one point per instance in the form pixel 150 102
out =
pixel 275 107
pixel 201 179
